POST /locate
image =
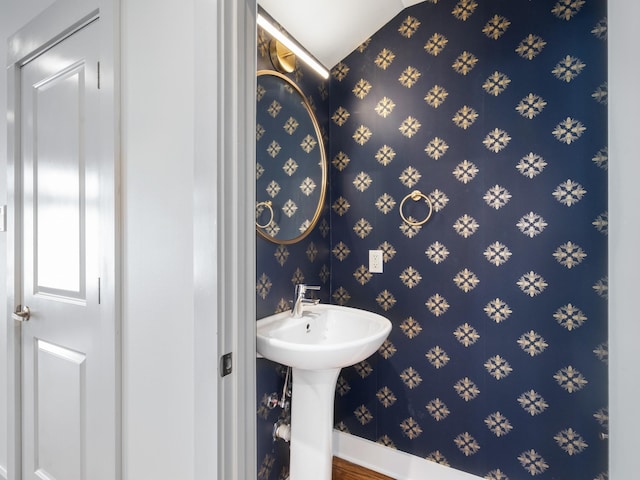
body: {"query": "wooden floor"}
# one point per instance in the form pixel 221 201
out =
pixel 343 470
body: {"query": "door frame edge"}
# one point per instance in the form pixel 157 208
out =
pixel 13 228
pixel 236 236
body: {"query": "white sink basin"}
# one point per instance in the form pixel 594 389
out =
pixel 316 346
pixel 325 337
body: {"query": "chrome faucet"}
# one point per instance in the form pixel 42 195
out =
pixel 299 299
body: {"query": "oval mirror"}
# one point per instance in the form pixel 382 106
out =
pixel 291 170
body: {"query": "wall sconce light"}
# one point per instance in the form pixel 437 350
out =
pixel 293 46
pixel 282 59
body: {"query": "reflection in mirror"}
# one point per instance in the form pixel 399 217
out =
pixel 291 170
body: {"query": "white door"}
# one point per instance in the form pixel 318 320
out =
pixel 69 405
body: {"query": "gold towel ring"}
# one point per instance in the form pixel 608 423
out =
pixel 415 196
pixel 268 205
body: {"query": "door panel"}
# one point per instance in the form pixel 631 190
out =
pixel 59 195
pixel 68 344
pixel 60 381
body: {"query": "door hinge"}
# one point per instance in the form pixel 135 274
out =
pixel 98 75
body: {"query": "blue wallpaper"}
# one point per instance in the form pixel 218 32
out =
pixel 497 361
pixel 495 110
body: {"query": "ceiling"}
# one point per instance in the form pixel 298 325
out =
pixel 332 29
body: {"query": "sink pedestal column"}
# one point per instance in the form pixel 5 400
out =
pixel 312 398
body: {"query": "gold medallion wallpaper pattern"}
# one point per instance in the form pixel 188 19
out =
pixel 497 361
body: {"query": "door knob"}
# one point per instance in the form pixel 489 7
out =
pixel 22 314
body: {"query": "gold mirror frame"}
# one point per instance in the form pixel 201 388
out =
pixel 323 164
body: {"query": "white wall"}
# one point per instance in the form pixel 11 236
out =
pixel 158 152
pixel 624 237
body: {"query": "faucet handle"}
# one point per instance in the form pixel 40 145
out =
pixel 299 299
pixel 302 288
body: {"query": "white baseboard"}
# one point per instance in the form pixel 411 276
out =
pixel 391 462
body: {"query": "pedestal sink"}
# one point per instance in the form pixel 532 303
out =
pixel 317 345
